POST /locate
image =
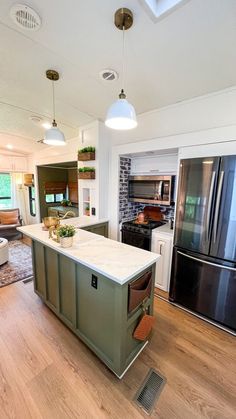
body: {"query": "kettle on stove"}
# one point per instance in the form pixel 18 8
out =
pixel 141 217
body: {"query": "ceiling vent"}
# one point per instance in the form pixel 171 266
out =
pixel 36 119
pixel 108 75
pixel 25 17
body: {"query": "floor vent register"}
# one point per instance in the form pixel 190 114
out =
pixel 149 391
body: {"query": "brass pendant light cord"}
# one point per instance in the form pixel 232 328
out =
pixel 53 101
pixel 123 59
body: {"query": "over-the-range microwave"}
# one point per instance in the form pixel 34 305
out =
pixel 152 189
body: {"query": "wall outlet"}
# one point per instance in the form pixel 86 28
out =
pixel 94 281
pixel 93 211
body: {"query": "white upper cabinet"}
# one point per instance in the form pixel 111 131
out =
pixel 163 164
pixel 13 163
pixel 20 164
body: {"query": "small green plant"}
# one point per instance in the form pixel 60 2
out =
pixel 87 208
pixel 86 169
pixel 87 150
pixel 66 202
pixel 66 230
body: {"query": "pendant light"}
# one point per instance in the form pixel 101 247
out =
pixel 53 136
pixel 121 114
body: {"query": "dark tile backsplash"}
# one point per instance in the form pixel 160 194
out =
pixel 129 210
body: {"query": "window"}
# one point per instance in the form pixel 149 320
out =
pixel 32 201
pixel 5 191
pixel 54 198
pixel 161 8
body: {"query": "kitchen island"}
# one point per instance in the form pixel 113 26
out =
pixel 88 288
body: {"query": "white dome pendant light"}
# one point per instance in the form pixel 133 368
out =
pixel 53 136
pixel 121 114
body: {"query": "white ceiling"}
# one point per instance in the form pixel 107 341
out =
pixel 189 53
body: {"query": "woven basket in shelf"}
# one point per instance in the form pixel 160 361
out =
pixel 86 175
pixel 89 155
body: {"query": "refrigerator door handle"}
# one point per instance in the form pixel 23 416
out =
pixel 215 227
pixel 206 262
pixel 210 204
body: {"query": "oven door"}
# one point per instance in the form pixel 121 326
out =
pixel 136 239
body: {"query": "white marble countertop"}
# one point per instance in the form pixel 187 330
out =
pixel 117 261
pixel 164 229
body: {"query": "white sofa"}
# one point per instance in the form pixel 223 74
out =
pixel 4 252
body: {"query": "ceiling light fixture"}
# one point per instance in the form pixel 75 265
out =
pixel 9 146
pixel 53 136
pixel 121 114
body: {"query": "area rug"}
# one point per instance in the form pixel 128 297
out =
pixel 19 265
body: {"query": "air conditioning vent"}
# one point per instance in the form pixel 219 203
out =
pixel 108 75
pixel 25 17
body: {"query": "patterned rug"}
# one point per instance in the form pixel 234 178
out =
pixel 19 265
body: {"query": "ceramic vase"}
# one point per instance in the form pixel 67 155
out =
pixel 66 241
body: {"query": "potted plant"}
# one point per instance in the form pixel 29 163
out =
pixel 66 203
pixel 87 210
pixel 87 173
pixel 86 153
pixel 66 233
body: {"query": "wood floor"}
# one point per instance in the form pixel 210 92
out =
pixel 46 372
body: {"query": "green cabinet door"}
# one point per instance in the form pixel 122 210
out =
pixel 39 269
pixel 67 290
pixel 101 229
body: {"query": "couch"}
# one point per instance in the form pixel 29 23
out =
pixel 10 219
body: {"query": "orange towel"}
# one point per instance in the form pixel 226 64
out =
pixel 144 327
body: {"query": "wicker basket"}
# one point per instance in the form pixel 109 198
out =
pixel 89 155
pixel 86 175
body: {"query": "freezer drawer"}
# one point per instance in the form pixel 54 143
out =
pixel 204 287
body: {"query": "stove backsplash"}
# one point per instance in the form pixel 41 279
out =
pixel 129 210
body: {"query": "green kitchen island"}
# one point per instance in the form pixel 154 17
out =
pixel 90 286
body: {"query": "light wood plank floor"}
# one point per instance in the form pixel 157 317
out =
pixel 46 372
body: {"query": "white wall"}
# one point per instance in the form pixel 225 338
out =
pixel 198 114
pixel 205 120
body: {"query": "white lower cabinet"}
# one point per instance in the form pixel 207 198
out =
pixel 162 243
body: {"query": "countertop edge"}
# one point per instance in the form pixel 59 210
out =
pixel 95 268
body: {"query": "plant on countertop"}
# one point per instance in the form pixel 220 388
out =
pixel 86 169
pixel 66 230
pixel 66 203
pixel 86 150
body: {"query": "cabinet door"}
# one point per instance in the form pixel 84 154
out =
pixel 20 164
pixel 101 229
pixel 67 290
pixel 39 269
pixel 5 163
pixel 163 246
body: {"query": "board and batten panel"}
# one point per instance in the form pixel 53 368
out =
pixel 39 269
pixel 51 265
pixel 67 290
pixel 96 314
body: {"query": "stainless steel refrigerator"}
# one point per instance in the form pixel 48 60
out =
pixel 203 277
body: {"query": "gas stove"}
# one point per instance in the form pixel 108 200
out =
pixel 145 227
pixel 139 234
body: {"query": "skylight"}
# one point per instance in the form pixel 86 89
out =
pixel 158 9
